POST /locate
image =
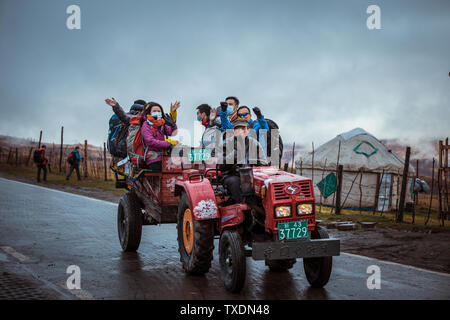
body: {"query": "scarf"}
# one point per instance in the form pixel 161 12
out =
pixel 157 123
pixel 205 123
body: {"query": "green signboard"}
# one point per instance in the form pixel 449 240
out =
pixel 328 185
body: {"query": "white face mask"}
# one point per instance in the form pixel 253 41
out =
pixel 156 115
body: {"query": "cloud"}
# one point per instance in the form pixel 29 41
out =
pixel 314 69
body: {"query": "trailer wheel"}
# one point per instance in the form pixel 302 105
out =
pixel 232 261
pixel 280 265
pixel 129 222
pixel 318 270
pixel 195 239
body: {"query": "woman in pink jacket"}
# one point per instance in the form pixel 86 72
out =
pixel 155 130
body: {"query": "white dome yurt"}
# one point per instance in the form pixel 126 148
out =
pixel 372 173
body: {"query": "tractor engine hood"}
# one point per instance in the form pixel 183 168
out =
pixel 272 176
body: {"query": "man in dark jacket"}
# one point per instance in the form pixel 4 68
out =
pixel 241 149
pixel 42 164
pixel 74 161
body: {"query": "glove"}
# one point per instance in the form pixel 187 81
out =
pixel 257 112
pixel 224 106
pixel 171 141
pixel 169 120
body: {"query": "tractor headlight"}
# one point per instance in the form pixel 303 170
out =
pixel 282 211
pixel 304 209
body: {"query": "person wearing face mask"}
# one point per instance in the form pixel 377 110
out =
pixel 239 150
pixel 154 130
pixel 137 108
pixel 203 115
pixel 207 116
pixel 243 112
pixel 232 106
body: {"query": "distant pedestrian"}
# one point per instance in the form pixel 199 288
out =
pixel 74 160
pixel 41 162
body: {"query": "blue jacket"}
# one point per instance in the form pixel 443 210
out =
pixel 261 123
pixel 256 125
pixel 77 155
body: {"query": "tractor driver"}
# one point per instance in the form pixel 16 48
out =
pixel 240 149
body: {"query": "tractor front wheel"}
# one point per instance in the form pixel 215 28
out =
pixel 318 270
pixel 232 261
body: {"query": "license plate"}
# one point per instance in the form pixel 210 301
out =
pixel 199 155
pixel 293 230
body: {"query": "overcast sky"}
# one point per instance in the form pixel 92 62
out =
pixel 312 66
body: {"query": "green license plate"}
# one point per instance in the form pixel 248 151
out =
pixel 199 155
pixel 293 230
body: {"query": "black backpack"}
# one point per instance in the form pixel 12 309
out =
pixel 272 125
pixel 37 156
pixel 117 133
pixel 71 158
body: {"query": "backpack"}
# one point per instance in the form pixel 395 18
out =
pixel 117 133
pixel 272 125
pixel 38 156
pixel 71 159
pixel 137 152
pixel 117 144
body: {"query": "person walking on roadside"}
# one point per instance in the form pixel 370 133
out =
pixel 74 160
pixel 41 162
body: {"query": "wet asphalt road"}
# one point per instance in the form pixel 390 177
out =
pixel 46 231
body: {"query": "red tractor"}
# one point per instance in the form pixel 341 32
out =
pixel 275 222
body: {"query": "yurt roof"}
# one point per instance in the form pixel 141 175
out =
pixel 358 149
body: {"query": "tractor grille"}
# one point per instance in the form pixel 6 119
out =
pixel 278 191
pixel 305 190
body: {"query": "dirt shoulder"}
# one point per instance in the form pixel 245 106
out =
pixel 419 249
pixel 97 193
pixel 428 250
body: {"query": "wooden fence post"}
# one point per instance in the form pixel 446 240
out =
pixel 29 156
pixel 446 170
pixel 361 170
pixel 85 159
pixel 104 161
pixel 9 155
pixel 339 189
pixel 337 164
pixel 403 190
pixel 61 149
pixel 377 193
pixel 40 139
pixel 293 153
pixel 312 164
pixel 431 193
pixel 323 173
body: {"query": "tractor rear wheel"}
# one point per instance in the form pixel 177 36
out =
pixel 195 239
pixel 318 270
pixel 129 222
pixel 232 261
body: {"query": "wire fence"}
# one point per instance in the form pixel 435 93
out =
pixel 380 191
pixel 22 156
